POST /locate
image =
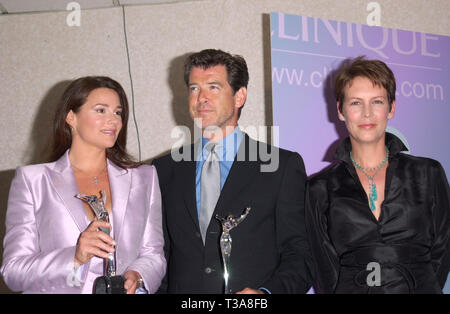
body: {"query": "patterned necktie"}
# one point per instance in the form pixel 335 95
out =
pixel 210 188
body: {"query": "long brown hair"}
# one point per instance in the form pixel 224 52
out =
pixel 73 98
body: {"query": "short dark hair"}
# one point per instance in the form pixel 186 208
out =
pixel 73 98
pixel 375 70
pixel 237 72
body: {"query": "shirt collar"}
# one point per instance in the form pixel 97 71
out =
pixel 228 146
pixel 394 144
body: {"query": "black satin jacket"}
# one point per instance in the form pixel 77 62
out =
pixel 410 241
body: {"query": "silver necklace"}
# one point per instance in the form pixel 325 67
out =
pixel 94 178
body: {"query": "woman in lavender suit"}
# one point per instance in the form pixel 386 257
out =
pixel 52 242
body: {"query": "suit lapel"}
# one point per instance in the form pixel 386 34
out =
pixel 187 183
pixel 245 166
pixel 65 185
pixel 120 185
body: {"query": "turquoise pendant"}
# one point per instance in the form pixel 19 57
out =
pixel 374 192
pixel 373 196
pixel 372 203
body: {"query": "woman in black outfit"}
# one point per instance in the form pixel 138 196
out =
pixel 379 219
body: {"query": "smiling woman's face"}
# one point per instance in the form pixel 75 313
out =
pixel 98 121
pixel 365 110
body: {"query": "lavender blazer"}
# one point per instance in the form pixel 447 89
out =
pixel 44 221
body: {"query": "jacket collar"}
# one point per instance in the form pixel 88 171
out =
pixel 394 144
pixel 66 186
pixel 62 165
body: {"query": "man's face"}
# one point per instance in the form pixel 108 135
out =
pixel 211 99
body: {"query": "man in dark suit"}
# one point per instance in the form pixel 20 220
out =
pixel 222 174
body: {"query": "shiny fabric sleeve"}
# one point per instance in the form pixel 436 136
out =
pixel 325 256
pixel 440 251
pixel 25 267
pixel 151 264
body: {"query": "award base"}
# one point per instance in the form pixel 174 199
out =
pixel 109 285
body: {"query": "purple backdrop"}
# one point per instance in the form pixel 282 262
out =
pixel 306 52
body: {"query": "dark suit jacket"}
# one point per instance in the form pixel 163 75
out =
pixel 270 247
